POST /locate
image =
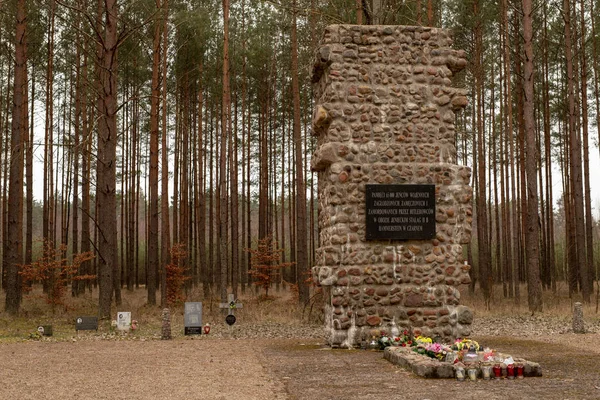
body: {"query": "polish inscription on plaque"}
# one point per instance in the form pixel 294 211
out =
pixel 400 212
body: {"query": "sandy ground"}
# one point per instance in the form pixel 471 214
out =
pixel 181 369
pixel 216 368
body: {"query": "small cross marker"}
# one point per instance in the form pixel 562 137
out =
pixel 231 305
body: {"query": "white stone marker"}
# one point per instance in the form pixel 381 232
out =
pixel 123 321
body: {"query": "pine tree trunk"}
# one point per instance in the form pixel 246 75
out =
pixel 511 245
pixel 225 132
pixel 482 217
pixel 165 242
pixel 106 166
pixel 235 272
pixel 13 244
pixel 153 176
pixel 575 161
pixel 589 219
pixel 534 289
pixel 595 68
pixel 201 214
pixel 301 221
pixel 28 135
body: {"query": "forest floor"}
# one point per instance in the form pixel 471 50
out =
pixel 269 354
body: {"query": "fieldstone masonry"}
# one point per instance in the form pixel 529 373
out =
pixel 384 114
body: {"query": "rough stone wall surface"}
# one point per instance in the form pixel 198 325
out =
pixel 384 114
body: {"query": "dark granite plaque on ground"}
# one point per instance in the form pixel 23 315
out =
pixel 86 324
pixel 193 318
pixel 45 330
pixel 400 212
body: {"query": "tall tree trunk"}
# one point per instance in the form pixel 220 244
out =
pixel 201 213
pixel 225 129
pixel 106 165
pixel 301 222
pixel 86 140
pixel 13 244
pixel 575 160
pixel 482 217
pixel 548 159
pixel 234 209
pixel 48 206
pixel 589 220
pixel 76 286
pixel 184 175
pixel 245 132
pixel 164 197
pixel 153 176
pixel 28 135
pixel 596 67
pixel 532 238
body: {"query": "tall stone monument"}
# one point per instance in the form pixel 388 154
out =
pixel 394 208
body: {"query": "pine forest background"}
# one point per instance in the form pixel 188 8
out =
pixel 130 127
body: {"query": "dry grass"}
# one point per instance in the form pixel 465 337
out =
pixel 280 309
pixel 557 304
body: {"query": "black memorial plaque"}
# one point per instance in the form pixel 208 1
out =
pixel 230 319
pixel 400 212
pixel 86 323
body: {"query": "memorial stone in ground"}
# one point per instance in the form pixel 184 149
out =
pixel 394 207
pixel 123 321
pixel 86 324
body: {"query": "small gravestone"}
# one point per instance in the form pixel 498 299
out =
pixel 86 324
pixel 123 321
pixel 231 305
pixel 45 330
pixel 193 318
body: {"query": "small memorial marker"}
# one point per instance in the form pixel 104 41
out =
pixel 86 323
pixel 45 330
pixel 193 318
pixel 166 324
pixel 123 321
pixel 231 306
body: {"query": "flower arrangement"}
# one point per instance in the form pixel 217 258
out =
pixel 423 340
pixel 428 347
pixel 465 344
pixel 404 340
pixel 437 350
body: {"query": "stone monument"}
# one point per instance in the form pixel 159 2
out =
pixel 394 207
